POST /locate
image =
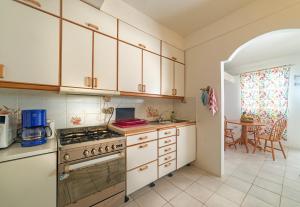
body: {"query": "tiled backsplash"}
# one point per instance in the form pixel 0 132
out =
pixel 79 110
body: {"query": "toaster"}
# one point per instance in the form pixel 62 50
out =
pixel 7 130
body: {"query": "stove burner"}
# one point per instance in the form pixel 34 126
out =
pixel 78 135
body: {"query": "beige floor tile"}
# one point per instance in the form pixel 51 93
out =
pixel 286 202
pixel 150 199
pixel 130 204
pixel 291 184
pixel 185 200
pixel 271 177
pixel 219 201
pixel 180 181
pixel 200 193
pixel 238 184
pixel 291 193
pixel 167 205
pixel 191 172
pixel 251 201
pixel 265 195
pixel 140 192
pixel 231 194
pixel 209 183
pixel 166 189
pixel 244 176
pixel 268 185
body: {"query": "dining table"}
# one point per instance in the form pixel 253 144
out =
pixel 245 128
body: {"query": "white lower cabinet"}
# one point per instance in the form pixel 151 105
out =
pixel 167 168
pixel 29 182
pixel 141 176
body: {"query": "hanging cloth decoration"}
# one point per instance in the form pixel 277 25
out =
pixel 209 99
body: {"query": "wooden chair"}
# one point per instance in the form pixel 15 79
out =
pixel 275 135
pixel 252 129
pixel 228 135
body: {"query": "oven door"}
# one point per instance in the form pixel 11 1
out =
pixel 86 183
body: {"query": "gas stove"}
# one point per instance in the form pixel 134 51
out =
pixel 86 142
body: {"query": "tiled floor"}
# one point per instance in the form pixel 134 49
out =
pixel 250 180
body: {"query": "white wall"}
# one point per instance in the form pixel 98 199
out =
pixel 232 98
pixel 125 12
pixel 215 43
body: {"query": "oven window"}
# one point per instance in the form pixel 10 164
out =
pixel 87 181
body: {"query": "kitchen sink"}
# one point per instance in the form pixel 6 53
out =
pixel 167 121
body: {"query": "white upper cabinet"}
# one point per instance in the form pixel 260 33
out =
pixel 105 62
pixel 167 77
pixel 29 42
pixel 51 6
pixel 86 15
pixel 138 38
pixel 151 73
pixel 179 79
pixel 130 68
pixel 76 56
pixel 172 52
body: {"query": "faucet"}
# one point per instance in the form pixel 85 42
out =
pixel 160 117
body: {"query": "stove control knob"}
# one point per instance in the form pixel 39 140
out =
pixel 101 150
pixel 107 148
pixel 93 151
pixel 67 157
pixel 86 153
pixel 113 147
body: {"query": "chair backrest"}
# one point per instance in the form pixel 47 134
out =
pixel 278 129
pixel 225 122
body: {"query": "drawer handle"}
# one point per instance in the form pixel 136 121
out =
pixel 168 141
pixel 174 58
pixel 143 168
pixel 95 82
pixel 143 146
pixel 34 2
pixel 167 158
pixel 1 71
pixel 168 132
pixel 93 26
pixel 141 45
pixel 143 138
pixel 88 81
pixel 143 88
pixel 167 150
pixel 168 164
pixel 140 87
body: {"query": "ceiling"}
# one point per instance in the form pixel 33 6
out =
pixel 274 45
pixel 186 16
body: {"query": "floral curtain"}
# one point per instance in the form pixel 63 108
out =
pixel 265 93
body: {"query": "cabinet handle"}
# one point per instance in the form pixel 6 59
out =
pixel 167 158
pixel 168 141
pixel 1 71
pixel 143 146
pixel 141 45
pixel 34 2
pixel 168 132
pixel 95 82
pixel 143 138
pixel 144 88
pixel 168 164
pixel 143 168
pixel 88 81
pixel 140 88
pixel 167 150
pixel 178 132
pixel 174 58
pixel 93 26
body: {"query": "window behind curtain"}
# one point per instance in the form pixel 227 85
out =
pixel 265 93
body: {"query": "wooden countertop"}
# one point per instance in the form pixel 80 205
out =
pixel 148 128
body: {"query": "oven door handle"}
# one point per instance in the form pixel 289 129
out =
pixel 80 165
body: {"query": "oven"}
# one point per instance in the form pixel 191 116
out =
pixel 98 181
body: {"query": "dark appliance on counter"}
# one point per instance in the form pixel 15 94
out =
pixel 125 118
pixel 34 128
pixel 91 167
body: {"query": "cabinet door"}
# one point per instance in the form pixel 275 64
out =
pixel 76 56
pixel 172 52
pixel 105 62
pixel 151 72
pixel 52 6
pixel 29 182
pixel 86 15
pixel 139 38
pixel 130 68
pixel 167 77
pixel 29 42
pixel 179 79
pixel 186 145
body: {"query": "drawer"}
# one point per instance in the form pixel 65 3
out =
pixel 138 38
pixel 141 177
pixel 166 158
pixel 172 52
pixel 167 132
pixel 166 168
pixel 140 138
pixel 51 6
pixel 140 154
pixel 86 15
pixel 167 149
pixel 166 141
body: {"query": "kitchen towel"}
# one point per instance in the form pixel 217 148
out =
pixel 212 101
